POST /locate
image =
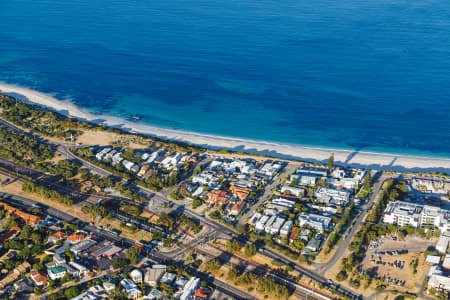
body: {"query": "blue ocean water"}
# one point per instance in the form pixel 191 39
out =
pixel 359 74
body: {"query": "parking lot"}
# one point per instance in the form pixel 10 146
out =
pixel 389 260
pixel 414 244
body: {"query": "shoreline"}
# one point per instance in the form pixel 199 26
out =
pixel 354 158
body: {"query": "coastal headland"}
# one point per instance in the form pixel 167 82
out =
pixel 350 157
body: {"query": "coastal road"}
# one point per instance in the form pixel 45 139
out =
pixel 220 228
pixel 342 248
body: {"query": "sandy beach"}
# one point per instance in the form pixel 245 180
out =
pixel 364 159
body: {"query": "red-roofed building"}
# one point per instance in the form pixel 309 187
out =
pixel 9 235
pixel 237 208
pixel 202 293
pixel 28 218
pixel 241 193
pixel 294 234
pixel 76 237
pixel 143 170
pixel 218 197
pixel 38 278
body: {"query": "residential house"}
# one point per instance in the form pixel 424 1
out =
pixel 76 237
pixel 276 226
pixel 241 193
pixel 286 228
pixel 281 204
pixel 39 278
pixel 218 197
pixel 28 218
pixel 56 272
pixel 168 278
pixel 314 244
pixel 80 269
pixel 153 275
pixel 269 223
pixel 131 289
pixel 270 169
pixel 143 170
pixel 255 218
pixel 155 294
pixel 57 236
pixel 136 276
pixel 237 208
pixel 10 234
pixel 442 243
pixel 12 276
pixel 261 223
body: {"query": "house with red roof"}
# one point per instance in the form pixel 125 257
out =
pixel 76 237
pixel 218 197
pixel 38 278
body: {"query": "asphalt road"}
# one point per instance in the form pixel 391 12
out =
pixel 267 192
pixel 220 228
pixel 323 268
pixel 25 202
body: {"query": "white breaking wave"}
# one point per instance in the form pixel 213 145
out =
pixel 376 160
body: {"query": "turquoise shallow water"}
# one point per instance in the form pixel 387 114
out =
pixel 371 75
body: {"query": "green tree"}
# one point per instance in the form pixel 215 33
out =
pixel 132 254
pixel 341 276
pixel 38 267
pixel 330 162
pixel 233 245
pixel 36 238
pixel 174 178
pixel 233 274
pixel 66 278
pixel 197 170
pixel 37 291
pixel 25 234
pixel 72 292
pixel 119 263
pixel 249 250
pixel 212 265
pixel 367 181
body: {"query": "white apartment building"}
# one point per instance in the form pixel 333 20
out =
pixel 315 221
pixel 312 171
pixel 336 197
pixel 276 226
pixel 261 223
pixel 293 190
pixel 416 215
pixel 288 204
pixel 286 228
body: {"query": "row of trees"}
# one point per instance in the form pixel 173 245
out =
pixel 341 227
pixel 263 284
pixel 392 190
pixel 95 210
pixel 47 193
